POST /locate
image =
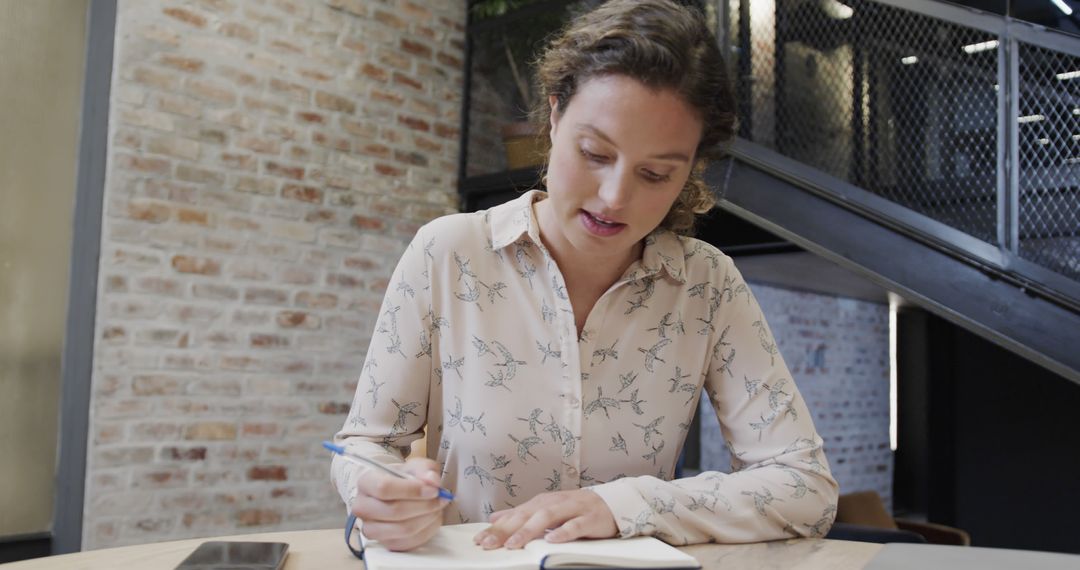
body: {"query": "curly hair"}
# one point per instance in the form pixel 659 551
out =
pixel 662 45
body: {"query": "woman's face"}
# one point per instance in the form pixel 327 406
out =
pixel 620 155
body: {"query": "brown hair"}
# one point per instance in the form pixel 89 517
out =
pixel 663 46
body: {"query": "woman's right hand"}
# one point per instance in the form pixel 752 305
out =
pixel 401 514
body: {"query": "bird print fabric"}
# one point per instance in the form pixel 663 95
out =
pixel 476 349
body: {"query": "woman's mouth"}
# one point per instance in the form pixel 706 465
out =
pixel 600 226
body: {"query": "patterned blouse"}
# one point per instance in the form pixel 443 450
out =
pixel 476 340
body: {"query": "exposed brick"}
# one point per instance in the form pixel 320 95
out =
pixel 265 296
pixel 156 78
pixel 268 473
pixel 390 19
pixel 309 117
pixel 416 124
pixel 186 16
pixel 200 266
pixel 387 96
pixel 368 223
pixel 189 173
pixel 215 291
pixel 295 91
pixel 261 429
pixel 211 92
pixel 257 517
pixel 297 319
pixel 210 431
pixel 334 408
pixel 239 31
pixel 375 72
pixel 316 300
pixel 387 170
pixel 186 64
pixel 253 185
pixel 284 171
pixel 405 80
pixel 308 194
pixel 415 48
pixel 259 340
pixel 333 102
pixel 449 60
pixel 446 131
pixel 152 212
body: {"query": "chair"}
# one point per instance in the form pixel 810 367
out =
pixel 863 513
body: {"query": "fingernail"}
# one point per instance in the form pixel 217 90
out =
pixel 513 542
pixel 490 541
pixel 429 492
pixel 432 477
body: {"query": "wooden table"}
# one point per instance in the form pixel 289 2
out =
pixel 325 550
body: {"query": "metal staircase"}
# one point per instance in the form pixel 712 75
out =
pixel 932 148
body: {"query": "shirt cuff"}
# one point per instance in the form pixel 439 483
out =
pixel 625 503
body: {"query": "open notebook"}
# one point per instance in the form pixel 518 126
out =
pixel 453 549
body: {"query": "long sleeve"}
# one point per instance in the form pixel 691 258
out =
pixel 389 408
pixel 782 486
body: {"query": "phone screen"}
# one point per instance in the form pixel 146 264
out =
pixel 236 556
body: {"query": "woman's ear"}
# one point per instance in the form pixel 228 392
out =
pixel 553 102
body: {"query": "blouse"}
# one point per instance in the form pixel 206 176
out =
pixel 476 342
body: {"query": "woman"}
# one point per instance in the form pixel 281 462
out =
pixel 555 347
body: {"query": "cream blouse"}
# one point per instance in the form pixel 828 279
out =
pixel 476 341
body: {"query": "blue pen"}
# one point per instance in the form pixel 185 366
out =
pixel 361 460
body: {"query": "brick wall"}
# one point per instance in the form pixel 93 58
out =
pixel 268 162
pixel 838 352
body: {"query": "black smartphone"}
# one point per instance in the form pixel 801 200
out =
pixel 236 556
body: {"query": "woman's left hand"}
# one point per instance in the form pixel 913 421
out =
pixel 572 515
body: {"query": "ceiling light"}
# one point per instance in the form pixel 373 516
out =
pixel 1030 119
pixel 1063 7
pixel 1044 141
pixel 909 60
pixel 981 46
pixel 1068 75
pixel 838 10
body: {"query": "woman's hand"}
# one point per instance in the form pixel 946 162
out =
pixel 401 513
pixel 572 515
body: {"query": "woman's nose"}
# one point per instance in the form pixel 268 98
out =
pixel 615 191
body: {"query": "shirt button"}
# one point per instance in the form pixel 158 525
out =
pixel 571 471
pixel 574 402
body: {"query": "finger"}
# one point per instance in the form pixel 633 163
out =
pixel 398 532
pixel 495 516
pixel 538 523
pixel 508 525
pixel 388 488
pixel 417 466
pixel 480 536
pixel 418 539
pixel 572 529
pixel 372 509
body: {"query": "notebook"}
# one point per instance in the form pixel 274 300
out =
pixel 453 549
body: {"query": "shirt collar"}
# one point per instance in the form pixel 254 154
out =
pixel 663 252
pixel 663 249
pixel 510 220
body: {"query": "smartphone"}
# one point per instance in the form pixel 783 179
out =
pixel 236 556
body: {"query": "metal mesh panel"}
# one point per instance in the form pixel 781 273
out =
pixel 1049 147
pixel 900 104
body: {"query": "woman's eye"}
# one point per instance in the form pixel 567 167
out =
pixel 654 177
pixel 593 157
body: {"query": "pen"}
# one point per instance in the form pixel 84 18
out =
pixel 361 460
